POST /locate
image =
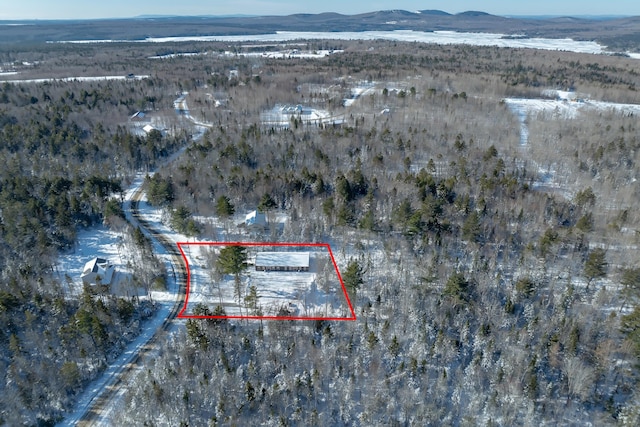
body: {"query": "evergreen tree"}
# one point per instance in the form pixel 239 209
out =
pixel 353 276
pixel 224 207
pixel 596 265
pixel 232 260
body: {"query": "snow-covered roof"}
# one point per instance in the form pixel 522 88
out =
pixel 148 128
pixel 255 218
pixel 98 267
pixel 94 265
pixel 282 259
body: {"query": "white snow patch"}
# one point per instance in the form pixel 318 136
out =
pixel 176 55
pixel 286 54
pixel 78 79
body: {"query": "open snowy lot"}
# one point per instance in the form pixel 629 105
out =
pixel 559 105
pixel 98 242
pixel 281 116
pixel 286 54
pixel 313 293
pixel 566 105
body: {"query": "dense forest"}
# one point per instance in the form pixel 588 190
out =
pixel 65 169
pixel 495 282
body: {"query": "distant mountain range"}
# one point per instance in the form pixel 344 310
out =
pixel 618 33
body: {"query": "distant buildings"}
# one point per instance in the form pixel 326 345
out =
pixel 97 271
pixel 148 129
pixel 283 116
pixel 138 116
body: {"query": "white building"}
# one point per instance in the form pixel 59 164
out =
pixel 255 219
pixel 282 261
pixel 148 129
pixel 98 270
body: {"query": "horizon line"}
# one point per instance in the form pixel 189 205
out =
pixel 227 15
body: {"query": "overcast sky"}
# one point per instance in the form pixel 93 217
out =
pixel 73 9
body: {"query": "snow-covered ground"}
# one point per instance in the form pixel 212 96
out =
pixel 116 247
pixel 316 293
pixel 97 242
pixel 100 241
pixel 565 105
pixel 177 55
pixel 78 79
pixel 438 37
pixel 286 54
pixel 360 90
pixel 281 115
pixel 181 107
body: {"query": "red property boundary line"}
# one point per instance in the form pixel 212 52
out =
pixel 182 314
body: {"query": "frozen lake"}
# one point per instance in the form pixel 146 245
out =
pixel 435 37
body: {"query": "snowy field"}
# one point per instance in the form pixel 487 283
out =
pixel 116 247
pixel 316 293
pixel 363 88
pixel 564 105
pixel 439 37
pixel 567 107
pixel 281 115
pixel 286 54
pixel 98 242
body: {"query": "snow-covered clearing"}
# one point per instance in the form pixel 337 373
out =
pixel 281 116
pixel 567 105
pixel 98 242
pixel 316 293
pixel 357 92
pixel 564 105
pixel 117 248
pixel 286 54
pixel 439 37
pixel 176 55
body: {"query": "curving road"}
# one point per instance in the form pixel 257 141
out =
pixel 93 408
pixel 99 399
